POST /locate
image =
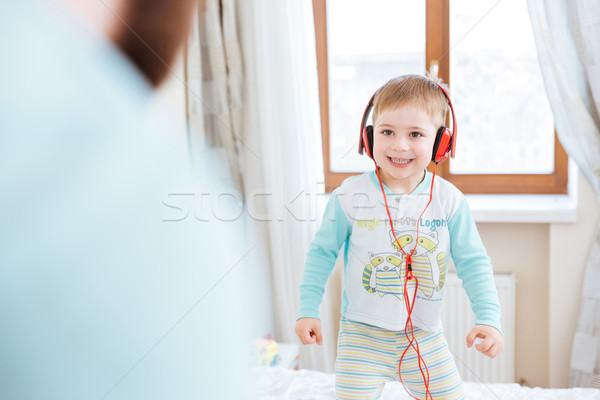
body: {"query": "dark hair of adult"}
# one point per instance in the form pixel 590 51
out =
pixel 151 32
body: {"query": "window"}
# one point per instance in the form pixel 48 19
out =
pixel 484 51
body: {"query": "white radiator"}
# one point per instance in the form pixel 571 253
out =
pixel 458 319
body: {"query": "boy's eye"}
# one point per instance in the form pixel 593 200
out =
pixel 416 134
pixel 387 132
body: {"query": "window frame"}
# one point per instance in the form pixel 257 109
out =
pixel 437 51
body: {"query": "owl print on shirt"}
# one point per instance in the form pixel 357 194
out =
pixel 386 272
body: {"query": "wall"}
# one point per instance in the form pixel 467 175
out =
pixel 522 249
pixel 549 262
pixel 569 248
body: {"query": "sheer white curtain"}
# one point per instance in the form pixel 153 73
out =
pixel 567 35
pixel 283 171
pixel 214 83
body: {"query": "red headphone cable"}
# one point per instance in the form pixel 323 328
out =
pixel 408 327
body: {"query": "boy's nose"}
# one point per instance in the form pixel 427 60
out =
pixel 399 144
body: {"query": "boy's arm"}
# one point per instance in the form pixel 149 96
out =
pixel 320 260
pixel 473 267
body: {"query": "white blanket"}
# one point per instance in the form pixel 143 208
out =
pixel 268 383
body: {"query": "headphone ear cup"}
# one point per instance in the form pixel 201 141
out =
pixel 369 133
pixel 441 147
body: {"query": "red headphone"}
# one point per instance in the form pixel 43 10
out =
pixel 445 141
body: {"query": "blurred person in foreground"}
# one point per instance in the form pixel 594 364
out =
pixel 103 293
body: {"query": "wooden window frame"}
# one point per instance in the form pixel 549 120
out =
pixel 437 50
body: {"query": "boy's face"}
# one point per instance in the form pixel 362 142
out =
pixel 402 145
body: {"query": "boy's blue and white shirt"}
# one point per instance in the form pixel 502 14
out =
pixel 375 267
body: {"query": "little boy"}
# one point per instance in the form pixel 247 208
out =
pixel 399 226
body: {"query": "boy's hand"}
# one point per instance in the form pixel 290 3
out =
pixel 492 343
pixel 309 331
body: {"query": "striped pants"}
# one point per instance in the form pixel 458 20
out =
pixel 368 357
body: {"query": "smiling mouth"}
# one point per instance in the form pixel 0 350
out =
pixel 400 161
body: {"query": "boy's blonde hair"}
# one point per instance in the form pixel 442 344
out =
pixel 416 90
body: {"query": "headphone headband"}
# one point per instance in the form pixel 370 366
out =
pixel 453 143
pixel 363 142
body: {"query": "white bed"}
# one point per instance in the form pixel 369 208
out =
pixel 269 383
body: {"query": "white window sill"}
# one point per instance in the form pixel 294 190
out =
pixel 524 208
pixel 528 208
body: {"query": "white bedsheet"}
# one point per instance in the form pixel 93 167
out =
pixel 268 383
